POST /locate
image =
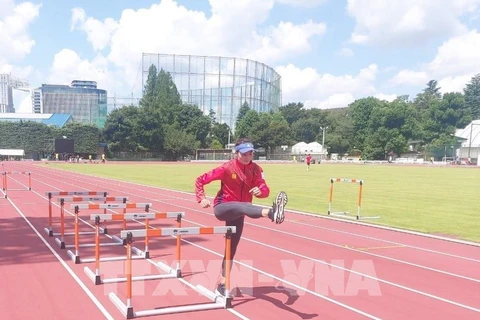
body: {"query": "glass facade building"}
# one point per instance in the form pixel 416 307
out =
pixel 82 100
pixel 221 84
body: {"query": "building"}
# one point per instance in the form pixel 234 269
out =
pixel 221 84
pixel 82 100
pixel 7 84
pixel 58 120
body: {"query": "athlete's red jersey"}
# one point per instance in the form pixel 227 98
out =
pixel 308 159
pixel 236 180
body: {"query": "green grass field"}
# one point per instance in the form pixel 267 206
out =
pixel 435 200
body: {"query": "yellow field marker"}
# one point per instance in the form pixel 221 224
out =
pixel 377 248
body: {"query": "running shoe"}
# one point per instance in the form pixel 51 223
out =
pixel 278 207
pixel 221 290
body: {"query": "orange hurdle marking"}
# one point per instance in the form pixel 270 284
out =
pixel 220 302
pixel 4 184
pixel 51 194
pixel 171 273
pixel 82 199
pixel 76 255
pixel 359 199
pixel 105 199
pixel 111 206
pixel 4 180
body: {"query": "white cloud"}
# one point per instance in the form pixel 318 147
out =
pixel 455 63
pixel 68 65
pixel 408 22
pixel 409 77
pixel 386 97
pixel 302 3
pixel 337 100
pixel 15 42
pixel 326 90
pixel 25 104
pixel 98 33
pixel 286 38
pixel 454 83
pixel 168 27
pixel 345 52
pixel 458 55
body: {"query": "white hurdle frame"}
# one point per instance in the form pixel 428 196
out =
pixel 219 302
pixel 344 214
pixel 62 201
pixel 4 181
pixel 171 273
pixel 75 256
pixel 51 194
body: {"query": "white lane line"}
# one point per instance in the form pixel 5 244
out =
pixel 352 271
pixel 267 274
pixel 69 270
pixel 462 242
pixel 236 313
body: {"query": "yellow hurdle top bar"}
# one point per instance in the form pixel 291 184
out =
pixel 80 199
pixel 76 193
pixel 90 206
pixel 177 231
pixel 332 180
pixel 126 216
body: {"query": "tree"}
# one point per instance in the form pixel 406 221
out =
pixel 472 97
pixel 270 130
pixel 432 89
pixel 86 137
pixel 305 129
pixel 241 114
pixel 167 98
pixel 179 143
pixel 292 112
pixel 443 117
pixel 340 131
pixel 121 131
pixel 149 93
pixel 430 95
pixel 245 125
pixel 220 132
pixel 366 118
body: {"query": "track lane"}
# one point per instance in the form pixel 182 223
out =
pixel 165 196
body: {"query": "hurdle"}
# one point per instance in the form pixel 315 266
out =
pixel 219 302
pixel 4 177
pixel 4 181
pixel 345 214
pixel 170 272
pixel 62 201
pixel 75 256
pixel 51 194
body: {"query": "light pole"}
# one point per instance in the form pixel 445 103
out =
pixel 471 132
pixel 323 140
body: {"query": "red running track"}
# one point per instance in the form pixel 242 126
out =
pixel 308 267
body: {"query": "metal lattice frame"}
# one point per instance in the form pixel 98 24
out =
pixel 7 84
pixel 221 84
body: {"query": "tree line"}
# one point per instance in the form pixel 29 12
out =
pixel 163 124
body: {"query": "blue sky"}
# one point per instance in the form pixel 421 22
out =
pixel 328 52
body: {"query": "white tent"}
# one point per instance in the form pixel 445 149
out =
pixel 299 148
pixel 304 148
pixel 12 152
pixel 471 145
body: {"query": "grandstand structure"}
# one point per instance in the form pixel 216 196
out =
pixel 50 119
